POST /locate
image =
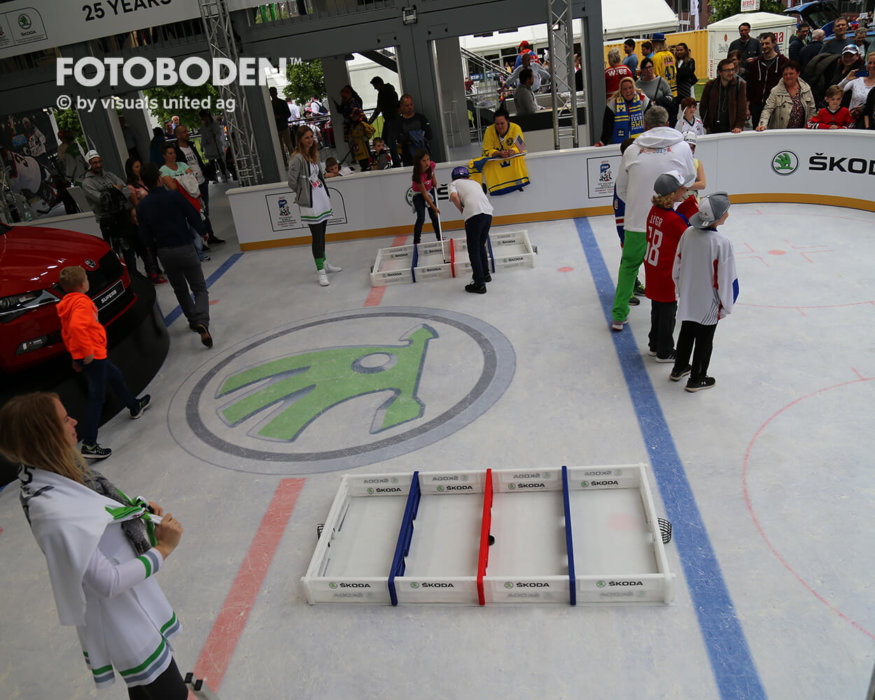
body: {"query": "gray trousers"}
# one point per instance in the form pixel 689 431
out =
pixel 184 272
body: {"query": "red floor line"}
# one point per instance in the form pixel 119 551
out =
pixel 228 627
pixel 375 296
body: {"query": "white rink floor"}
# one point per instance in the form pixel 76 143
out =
pixel 764 478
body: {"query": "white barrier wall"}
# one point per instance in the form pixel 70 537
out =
pixel 836 167
pixel 83 223
pixel 564 184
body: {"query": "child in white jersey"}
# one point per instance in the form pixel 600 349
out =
pixel 707 286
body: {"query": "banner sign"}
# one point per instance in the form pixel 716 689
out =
pixel 601 174
pixel 33 25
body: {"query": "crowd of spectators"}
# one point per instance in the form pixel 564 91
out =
pixel 823 84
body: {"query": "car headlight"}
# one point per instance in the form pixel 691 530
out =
pixel 12 307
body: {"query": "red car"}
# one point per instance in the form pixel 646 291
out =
pixel 31 258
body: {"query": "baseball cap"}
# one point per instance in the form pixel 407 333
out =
pixel 669 182
pixel 690 137
pixel 659 36
pixel 524 44
pixel 711 209
pixel 460 172
pixel 851 48
pixel 91 155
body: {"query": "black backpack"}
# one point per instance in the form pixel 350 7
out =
pixel 113 201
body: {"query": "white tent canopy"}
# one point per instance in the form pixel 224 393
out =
pixel 721 34
pixel 634 18
pixel 756 20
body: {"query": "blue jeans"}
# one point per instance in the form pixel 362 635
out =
pixel 99 373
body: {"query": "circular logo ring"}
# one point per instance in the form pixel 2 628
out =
pixel 498 368
pixel 785 163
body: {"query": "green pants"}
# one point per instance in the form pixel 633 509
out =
pixel 634 249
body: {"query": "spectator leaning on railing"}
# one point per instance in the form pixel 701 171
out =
pixel 723 107
pixel 790 103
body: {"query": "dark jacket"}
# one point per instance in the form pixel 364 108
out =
pixel 809 52
pixel 686 77
pixel 868 111
pixel 750 49
pixel 708 107
pixel 281 113
pixel 162 215
pixel 824 70
pixel 796 46
pixel 762 77
pixel 387 103
pixel 412 134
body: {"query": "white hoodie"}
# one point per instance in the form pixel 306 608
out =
pixel 656 151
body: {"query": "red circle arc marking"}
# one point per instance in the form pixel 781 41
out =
pixel 756 521
pixel 799 306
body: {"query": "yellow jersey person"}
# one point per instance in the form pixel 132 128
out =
pixel 664 62
pixel 502 167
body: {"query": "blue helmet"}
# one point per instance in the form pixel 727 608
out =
pixel 460 172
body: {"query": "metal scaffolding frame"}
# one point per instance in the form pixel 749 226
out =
pixel 560 39
pixel 241 135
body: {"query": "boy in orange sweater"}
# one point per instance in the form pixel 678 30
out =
pixel 85 339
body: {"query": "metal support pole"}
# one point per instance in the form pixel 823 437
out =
pixel 560 40
pixel 220 36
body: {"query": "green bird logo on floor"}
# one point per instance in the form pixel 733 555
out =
pixel 310 383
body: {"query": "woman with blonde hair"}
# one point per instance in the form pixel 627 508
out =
pixel 307 181
pixel 102 549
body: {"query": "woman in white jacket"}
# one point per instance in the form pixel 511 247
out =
pixel 102 549
pixel 790 104
pixel 307 180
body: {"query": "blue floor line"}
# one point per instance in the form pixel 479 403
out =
pixel 221 270
pixel 734 670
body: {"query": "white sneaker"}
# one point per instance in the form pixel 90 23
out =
pixel 322 277
pixel 328 267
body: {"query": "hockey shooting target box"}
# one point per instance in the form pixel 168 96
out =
pixel 559 535
pixel 407 264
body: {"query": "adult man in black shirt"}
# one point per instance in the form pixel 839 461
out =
pixel 797 41
pixel 387 105
pixel 840 39
pixel 412 130
pixel 814 47
pixel 749 47
pixel 281 114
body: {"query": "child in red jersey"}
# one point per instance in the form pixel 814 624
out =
pixel 665 226
pixel 833 116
